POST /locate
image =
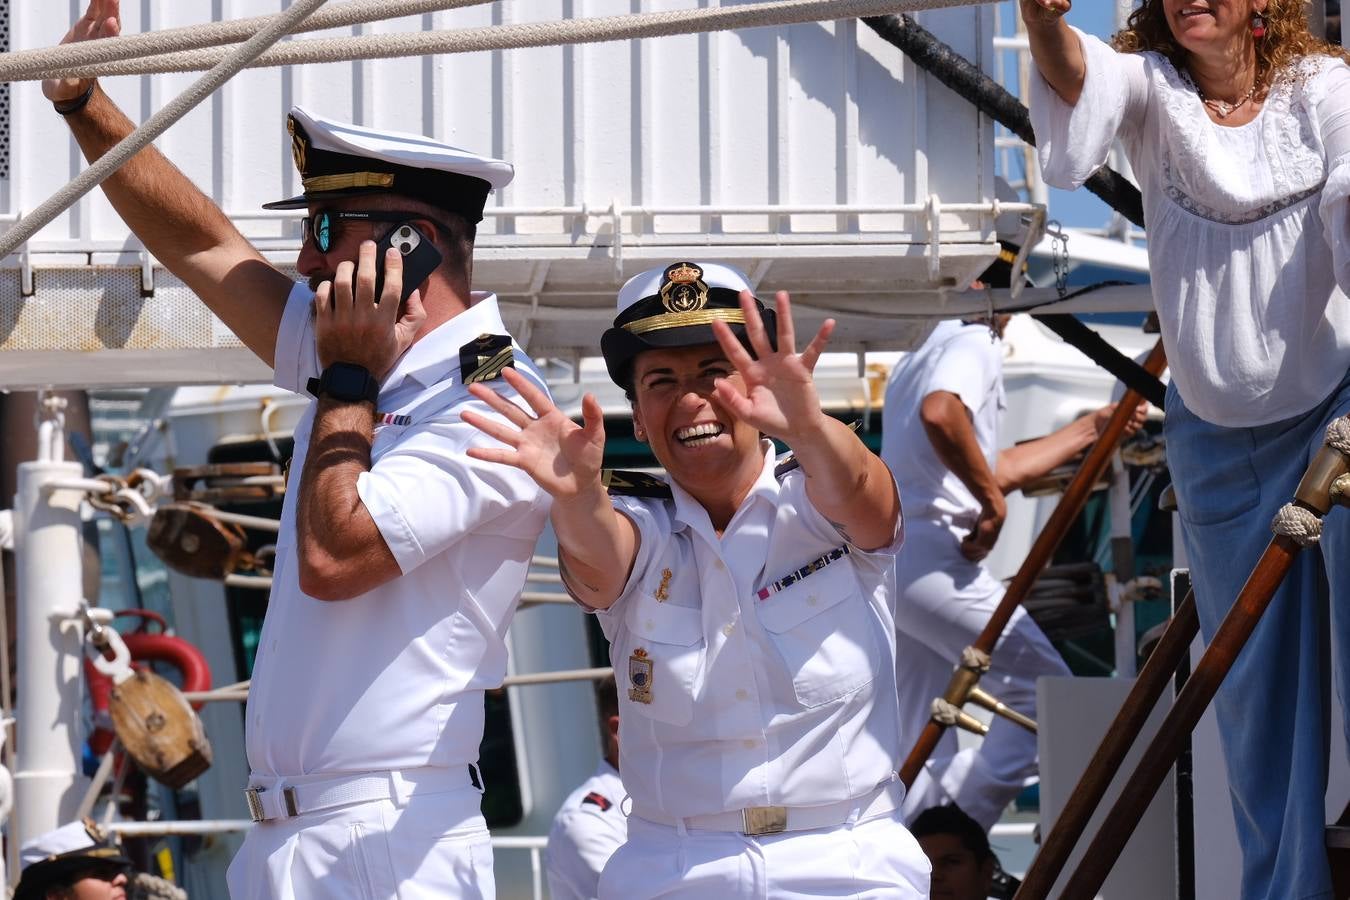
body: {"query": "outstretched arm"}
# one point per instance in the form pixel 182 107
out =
pixel 596 543
pixel 1030 460
pixel 173 219
pixel 1055 47
pixel 846 482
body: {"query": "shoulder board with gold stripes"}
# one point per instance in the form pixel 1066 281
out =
pixel 484 357
pixel 635 484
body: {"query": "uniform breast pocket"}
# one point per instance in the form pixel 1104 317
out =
pixel 826 633
pixel 659 662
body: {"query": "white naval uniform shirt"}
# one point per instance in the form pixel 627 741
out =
pixel 394 678
pixel 587 830
pixel 785 701
pixel 966 360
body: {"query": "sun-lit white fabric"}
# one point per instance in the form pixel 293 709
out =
pixel 394 679
pixel 590 825
pixel 785 701
pixel 1247 225
pixel 965 360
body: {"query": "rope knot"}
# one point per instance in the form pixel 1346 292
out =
pixel 1301 525
pixel 1338 435
pixel 975 660
pixel 945 713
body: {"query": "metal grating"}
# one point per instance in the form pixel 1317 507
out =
pixel 4 93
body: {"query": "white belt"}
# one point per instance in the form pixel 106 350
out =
pixel 278 797
pixel 760 820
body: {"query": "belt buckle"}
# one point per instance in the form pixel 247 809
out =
pixel 288 798
pixel 758 820
pixel 255 805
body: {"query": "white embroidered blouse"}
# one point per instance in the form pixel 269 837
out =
pixel 1248 226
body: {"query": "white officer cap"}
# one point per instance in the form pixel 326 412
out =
pixel 337 159
pixel 51 857
pixel 675 306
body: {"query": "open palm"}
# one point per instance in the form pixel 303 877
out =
pixel 562 457
pixel 780 396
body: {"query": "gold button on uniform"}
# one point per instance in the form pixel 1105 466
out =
pixel 728 629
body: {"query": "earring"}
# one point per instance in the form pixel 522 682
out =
pixel 1258 25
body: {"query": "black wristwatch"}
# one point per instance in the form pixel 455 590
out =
pixel 346 382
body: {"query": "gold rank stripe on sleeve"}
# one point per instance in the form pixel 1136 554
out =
pixel 635 484
pixel 792 578
pixel 484 358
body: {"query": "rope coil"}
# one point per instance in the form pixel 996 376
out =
pixel 1300 524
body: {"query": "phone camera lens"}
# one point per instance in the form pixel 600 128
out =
pixel 405 248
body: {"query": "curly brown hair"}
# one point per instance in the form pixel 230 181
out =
pixel 1287 39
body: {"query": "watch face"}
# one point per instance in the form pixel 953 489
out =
pixel 347 382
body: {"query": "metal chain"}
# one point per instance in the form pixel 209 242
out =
pixel 1059 256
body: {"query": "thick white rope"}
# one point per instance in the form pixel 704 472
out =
pixel 1338 435
pixel 1299 524
pixel 20 65
pixel 156 125
pixel 523 35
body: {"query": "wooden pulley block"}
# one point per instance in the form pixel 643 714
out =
pixel 192 541
pixel 249 482
pixel 159 729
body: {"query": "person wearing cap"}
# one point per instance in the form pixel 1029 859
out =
pixel 73 862
pixel 748 602
pixel 591 824
pixel 400 558
pixel 940 437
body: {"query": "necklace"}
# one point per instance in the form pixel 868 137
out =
pixel 1222 108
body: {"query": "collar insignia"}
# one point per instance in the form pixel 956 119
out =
pixel 682 288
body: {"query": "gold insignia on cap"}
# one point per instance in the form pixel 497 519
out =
pixel 683 289
pixel 299 146
pixel 640 677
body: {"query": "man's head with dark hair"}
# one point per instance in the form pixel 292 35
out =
pixel 607 706
pixel 956 845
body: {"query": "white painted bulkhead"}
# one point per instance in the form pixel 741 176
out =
pixel 814 156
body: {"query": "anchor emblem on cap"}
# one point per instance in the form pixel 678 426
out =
pixel 683 289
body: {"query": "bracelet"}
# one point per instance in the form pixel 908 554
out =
pixel 73 106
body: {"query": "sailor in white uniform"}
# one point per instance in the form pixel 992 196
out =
pixel 940 438
pixel 591 824
pixel 749 604
pixel 400 558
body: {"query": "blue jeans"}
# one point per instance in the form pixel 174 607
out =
pixel 1273 707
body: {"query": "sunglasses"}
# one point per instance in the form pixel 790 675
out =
pixel 323 227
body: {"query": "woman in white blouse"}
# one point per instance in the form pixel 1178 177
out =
pixel 1236 121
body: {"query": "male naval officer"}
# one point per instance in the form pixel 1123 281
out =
pixel 400 558
pixel 591 823
pixel 940 438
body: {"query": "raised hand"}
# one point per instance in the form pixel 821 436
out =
pixel 562 457
pixel 1044 11
pixel 351 326
pixel 780 396
pixel 102 19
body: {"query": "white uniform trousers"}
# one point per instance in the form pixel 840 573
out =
pixel 871 859
pixel 944 602
pixel 435 846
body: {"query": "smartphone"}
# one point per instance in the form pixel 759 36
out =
pixel 420 257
